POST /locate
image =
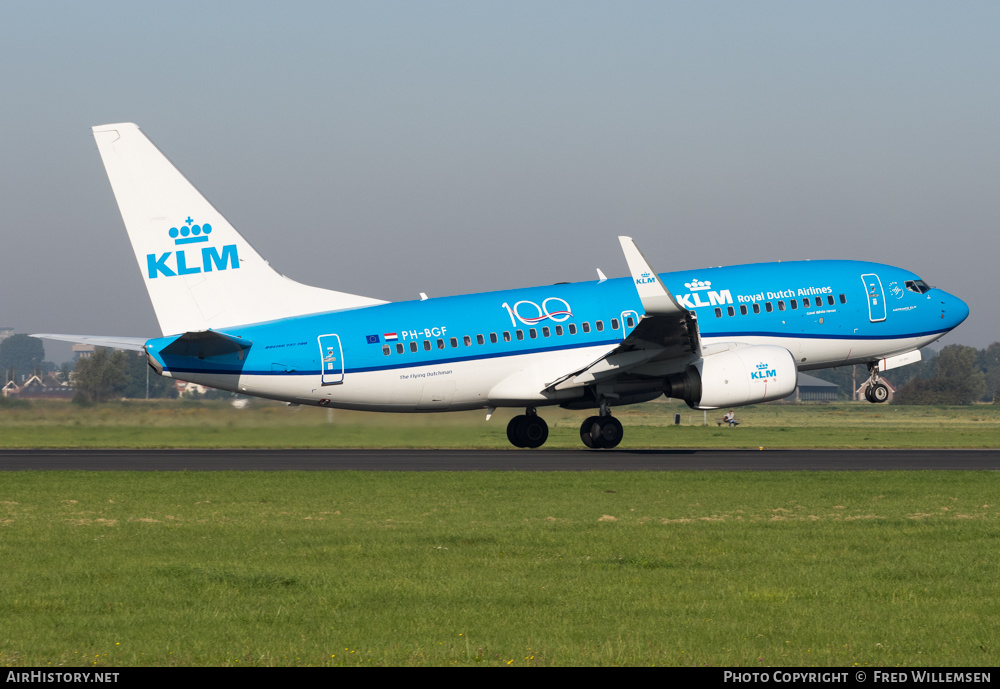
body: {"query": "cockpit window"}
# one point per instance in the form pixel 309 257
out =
pixel 918 286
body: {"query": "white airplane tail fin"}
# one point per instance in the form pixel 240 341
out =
pixel 199 271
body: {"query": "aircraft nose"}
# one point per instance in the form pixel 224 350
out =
pixel 953 310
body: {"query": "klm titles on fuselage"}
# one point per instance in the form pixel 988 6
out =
pixel 210 258
pixel 699 287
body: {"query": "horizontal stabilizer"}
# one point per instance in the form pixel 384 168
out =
pixel 131 343
pixel 206 344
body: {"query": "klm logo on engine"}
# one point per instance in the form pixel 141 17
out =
pixel 698 288
pixel 189 261
pixel 763 372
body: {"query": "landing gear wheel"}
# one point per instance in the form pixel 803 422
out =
pixel 512 428
pixel 527 430
pixel 868 394
pixel 532 432
pixel 611 432
pixel 878 393
pixel 590 432
pixel 601 432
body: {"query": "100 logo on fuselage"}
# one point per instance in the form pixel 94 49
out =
pixel 538 312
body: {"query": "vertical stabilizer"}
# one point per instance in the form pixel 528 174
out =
pixel 199 271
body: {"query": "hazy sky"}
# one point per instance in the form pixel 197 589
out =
pixel 392 148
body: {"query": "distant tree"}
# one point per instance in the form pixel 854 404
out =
pixel 22 354
pixel 957 380
pixel 100 377
pixel 989 364
pixel 137 373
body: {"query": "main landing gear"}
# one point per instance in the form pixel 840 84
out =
pixel 876 391
pixel 527 430
pixel 597 432
pixel 601 432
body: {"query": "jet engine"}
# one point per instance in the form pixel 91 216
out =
pixel 738 376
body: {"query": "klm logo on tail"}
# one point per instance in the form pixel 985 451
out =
pixel 208 259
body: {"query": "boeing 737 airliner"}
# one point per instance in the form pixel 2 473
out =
pixel 713 337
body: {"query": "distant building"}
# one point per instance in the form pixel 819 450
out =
pixel 5 333
pixel 810 389
pixel 82 351
pixel 46 387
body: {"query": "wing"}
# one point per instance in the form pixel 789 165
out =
pixel 132 343
pixel 666 332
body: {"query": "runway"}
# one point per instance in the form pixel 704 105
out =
pixel 499 460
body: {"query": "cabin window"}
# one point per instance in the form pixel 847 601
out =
pixel 454 342
pixel 843 298
pixel 399 348
pixel 572 328
pixel 520 334
pixel 413 346
pixel 545 331
pixel 493 338
pixel 805 302
pixel 614 324
pixel 756 307
pixel 795 304
pixel 506 336
pixel 718 312
pixel 427 345
pixel 781 306
pixel 630 322
pixel 440 344
pixel 586 326
pixel 730 310
pixel 600 326
pixel 480 339
pixel 532 333
pixel 743 309
pixel 467 340
pixel 386 350
pixel 559 330
pixel 829 299
pixel 768 307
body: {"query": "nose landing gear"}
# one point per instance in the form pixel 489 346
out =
pixel 876 391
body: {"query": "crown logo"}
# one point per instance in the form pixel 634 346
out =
pixel 190 234
pixel 761 366
pixel 698 285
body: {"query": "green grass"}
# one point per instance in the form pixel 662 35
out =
pixel 595 568
pixel 217 424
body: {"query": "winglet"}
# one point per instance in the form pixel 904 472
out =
pixel 656 298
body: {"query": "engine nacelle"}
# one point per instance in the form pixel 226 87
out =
pixel 742 375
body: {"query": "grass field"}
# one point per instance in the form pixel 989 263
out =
pixel 356 568
pixel 217 424
pixel 497 568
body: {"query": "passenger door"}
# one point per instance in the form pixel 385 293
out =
pixel 332 360
pixel 876 297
